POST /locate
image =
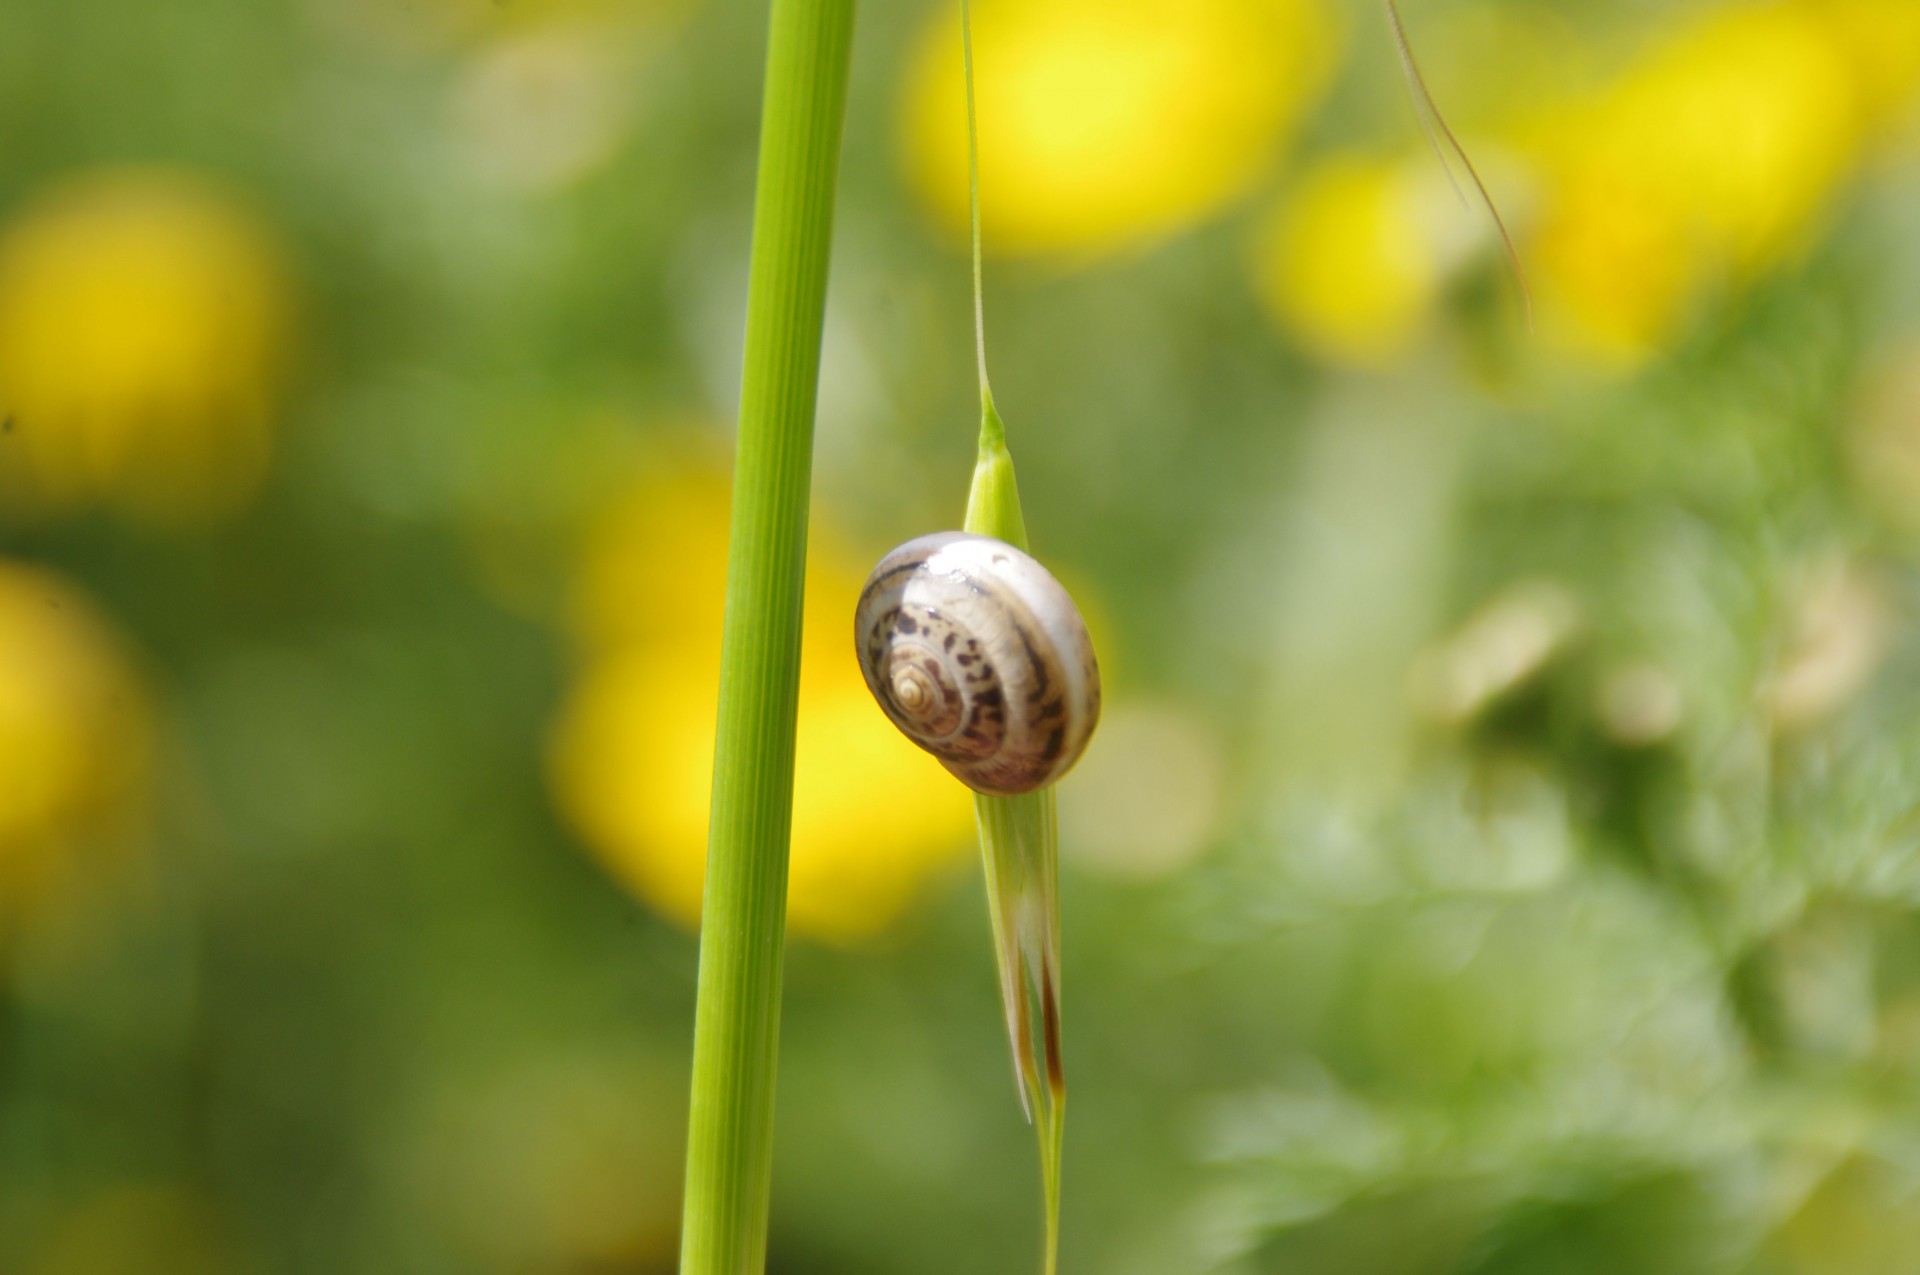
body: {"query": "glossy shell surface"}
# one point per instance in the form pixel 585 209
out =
pixel 979 656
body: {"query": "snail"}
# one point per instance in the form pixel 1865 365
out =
pixel 979 656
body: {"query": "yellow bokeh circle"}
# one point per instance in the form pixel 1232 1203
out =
pixel 1347 262
pixel 144 319
pixel 74 735
pixel 1108 123
pixel 1708 158
pixel 874 818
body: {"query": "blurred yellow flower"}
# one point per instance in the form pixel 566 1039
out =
pixel 1348 261
pixel 1107 123
pixel 1709 160
pixel 631 757
pixel 1614 269
pixel 1882 41
pixel 1355 258
pixel 1705 162
pixel 73 734
pixel 143 331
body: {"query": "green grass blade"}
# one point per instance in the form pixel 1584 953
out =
pixel 1018 844
pixel 743 927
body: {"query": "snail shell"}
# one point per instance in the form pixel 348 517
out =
pixel 980 657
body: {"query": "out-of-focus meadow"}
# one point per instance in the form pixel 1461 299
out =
pixel 1501 855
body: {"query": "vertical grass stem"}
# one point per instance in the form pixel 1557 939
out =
pixel 743 926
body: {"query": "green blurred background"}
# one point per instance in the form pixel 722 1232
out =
pixel 1501 855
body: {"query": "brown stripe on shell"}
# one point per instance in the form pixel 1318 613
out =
pixel 1024 770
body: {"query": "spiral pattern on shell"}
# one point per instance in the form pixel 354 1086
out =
pixel 979 656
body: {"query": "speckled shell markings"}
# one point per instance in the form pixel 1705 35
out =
pixel 979 656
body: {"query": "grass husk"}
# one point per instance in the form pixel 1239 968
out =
pixel 1018 846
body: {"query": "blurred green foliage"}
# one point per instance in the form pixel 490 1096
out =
pixel 1500 858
